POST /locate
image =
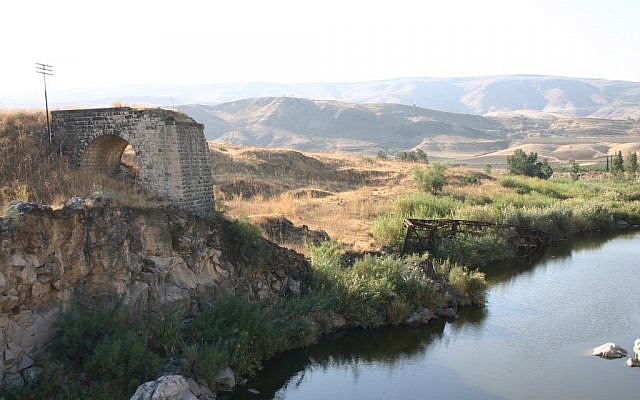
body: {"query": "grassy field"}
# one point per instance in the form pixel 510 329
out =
pixel 361 201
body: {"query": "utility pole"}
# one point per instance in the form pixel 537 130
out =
pixel 45 70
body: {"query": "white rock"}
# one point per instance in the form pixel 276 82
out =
pixel 226 378
pixel 609 350
pixel 171 387
pixel 337 320
pixel 636 348
pixel 633 362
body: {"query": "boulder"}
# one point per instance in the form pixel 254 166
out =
pixel 633 362
pixel 32 374
pixel 75 203
pixel 421 317
pixel 172 387
pixel 280 230
pixel 636 348
pixel 226 379
pixel 609 350
pixel 337 320
pixel 448 313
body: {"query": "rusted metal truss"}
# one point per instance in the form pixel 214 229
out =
pixel 424 235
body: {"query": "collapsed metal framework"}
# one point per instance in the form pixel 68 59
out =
pixel 424 235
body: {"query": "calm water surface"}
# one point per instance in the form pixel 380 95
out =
pixel 532 341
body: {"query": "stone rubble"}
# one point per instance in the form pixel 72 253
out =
pixel 172 387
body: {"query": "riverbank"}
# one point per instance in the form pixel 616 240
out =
pixel 539 325
pixel 244 310
pixel 563 208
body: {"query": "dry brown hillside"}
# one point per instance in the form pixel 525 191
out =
pixel 336 192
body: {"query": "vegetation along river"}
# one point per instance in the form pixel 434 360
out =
pixel 531 341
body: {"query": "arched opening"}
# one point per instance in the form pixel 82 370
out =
pixel 113 156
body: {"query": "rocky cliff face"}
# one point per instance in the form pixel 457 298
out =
pixel 151 257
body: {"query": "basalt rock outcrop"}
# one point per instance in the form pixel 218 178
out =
pixel 150 257
pixel 280 230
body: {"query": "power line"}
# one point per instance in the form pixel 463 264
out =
pixel 46 70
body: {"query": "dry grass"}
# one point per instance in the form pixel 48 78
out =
pixel 334 192
pixel 31 171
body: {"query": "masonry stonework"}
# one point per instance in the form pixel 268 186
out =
pixel 171 150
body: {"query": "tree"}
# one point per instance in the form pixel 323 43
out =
pixel 574 170
pixel 381 155
pixel 617 164
pixel 631 164
pixel 417 155
pixel 487 169
pixel 431 179
pixel 421 156
pixel 521 163
pixel 544 170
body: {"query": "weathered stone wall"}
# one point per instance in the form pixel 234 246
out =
pixel 152 257
pixel 171 151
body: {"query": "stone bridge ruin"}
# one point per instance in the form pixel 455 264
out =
pixel 170 148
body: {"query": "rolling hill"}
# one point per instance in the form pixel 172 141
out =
pixel 597 98
pixel 367 128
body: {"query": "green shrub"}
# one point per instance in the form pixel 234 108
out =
pixel 245 237
pixel 470 179
pixel 593 216
pixel 389 230
pixel 120 363
pixel 524 185
pixel 431 179
pixel 239 330
pixel 471 283
pixel 425 206
pixel 477 249
pixel 98 352
pixel 325 256
pixel 204 361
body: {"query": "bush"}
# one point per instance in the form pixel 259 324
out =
pixel 471 283
pixel 98 352
pixel 477 249
pixel 431 179
pixel 425 206
pixel 379 290
pixel 414 155
pixel 388 230
pixel 240 331
pixel 470 179
pixel 521 163
pixel 246 240
pixel 527 185
pixel 204 361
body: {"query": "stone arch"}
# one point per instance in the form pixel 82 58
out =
pixel 172 154
pixel 104 153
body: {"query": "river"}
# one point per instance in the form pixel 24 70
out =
pixel 531 341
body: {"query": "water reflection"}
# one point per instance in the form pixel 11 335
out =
pixel 499 273
pixel 387 346
pixel 364 364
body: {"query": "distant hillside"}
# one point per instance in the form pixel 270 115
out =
pixel 596 98
pixel 367 128
pixel 329 125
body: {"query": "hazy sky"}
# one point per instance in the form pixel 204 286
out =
pixel 116 42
